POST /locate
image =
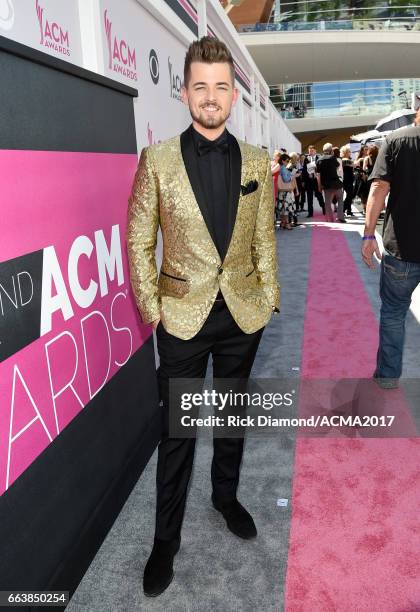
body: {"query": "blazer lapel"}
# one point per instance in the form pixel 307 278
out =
pixel 191 165
pixel 235 165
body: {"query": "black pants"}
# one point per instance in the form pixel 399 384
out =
pixel 311 187
pixel 348 188
pixel 300 199
pixel 233 354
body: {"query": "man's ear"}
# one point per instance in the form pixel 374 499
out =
pixel 184 95
pixel 235 95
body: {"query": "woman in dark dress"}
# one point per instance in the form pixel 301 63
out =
pixel 368 163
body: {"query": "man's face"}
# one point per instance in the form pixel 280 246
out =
pixel 210 93
pixel 312 151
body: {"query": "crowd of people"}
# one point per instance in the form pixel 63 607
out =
pixel 334 178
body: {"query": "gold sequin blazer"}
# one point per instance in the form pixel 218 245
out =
pixel 168 195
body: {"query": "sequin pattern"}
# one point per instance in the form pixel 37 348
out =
pixel 183 293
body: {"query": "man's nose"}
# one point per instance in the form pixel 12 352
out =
pixel 211 96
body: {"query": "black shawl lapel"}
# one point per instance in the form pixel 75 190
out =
pixel 191 165
pixel 235 163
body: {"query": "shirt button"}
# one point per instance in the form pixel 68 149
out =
pixel 220 270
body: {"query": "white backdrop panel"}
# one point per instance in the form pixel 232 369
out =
pixel 141 52
pixel 249 135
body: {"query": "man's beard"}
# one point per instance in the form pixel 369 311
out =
pixel 208 122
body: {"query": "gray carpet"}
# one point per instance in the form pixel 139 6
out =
pixel 214 570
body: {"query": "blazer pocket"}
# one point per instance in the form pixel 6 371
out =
pixel 172 286
pixel 250 280
pixel 174 277
pixel 249 187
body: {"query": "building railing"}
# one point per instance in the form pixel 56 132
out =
pixel 379 24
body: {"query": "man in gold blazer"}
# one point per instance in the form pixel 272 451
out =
pixel 212 197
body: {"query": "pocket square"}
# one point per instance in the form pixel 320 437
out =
pixel 250 187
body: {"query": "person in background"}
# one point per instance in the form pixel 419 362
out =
pixel 336 152
pixel 310 181
pixel 295 168
pixel 358 168
pixel 275 169
pixel 370 159
pixel 286 211
pixel 368 163
pixel 302 188
pixel 396 172
pixel 360 155
pixel 360 176
pixel 329 181
pixel 348 178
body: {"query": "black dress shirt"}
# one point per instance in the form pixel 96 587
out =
pixel 214 171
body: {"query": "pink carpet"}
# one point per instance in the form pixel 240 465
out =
pixel 355 530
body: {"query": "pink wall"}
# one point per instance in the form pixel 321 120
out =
pixel 67 204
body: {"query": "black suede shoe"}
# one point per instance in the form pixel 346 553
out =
pixel 238 520
pixel 158 573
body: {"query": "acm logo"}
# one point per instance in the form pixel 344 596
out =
pixel 121 57
pixel 53 36
pixel 175 81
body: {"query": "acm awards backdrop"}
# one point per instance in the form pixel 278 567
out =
pixel 46 25
pixel 79 412
pixel 138 49
pixel 141 52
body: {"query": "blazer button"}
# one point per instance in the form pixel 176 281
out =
pixel 220 270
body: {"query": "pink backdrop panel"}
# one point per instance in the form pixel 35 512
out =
pixel 50 199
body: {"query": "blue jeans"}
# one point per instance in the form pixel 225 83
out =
pixel 398 281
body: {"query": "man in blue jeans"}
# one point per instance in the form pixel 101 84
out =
pixel 397 172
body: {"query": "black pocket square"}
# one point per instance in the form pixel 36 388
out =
pixel 250 187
